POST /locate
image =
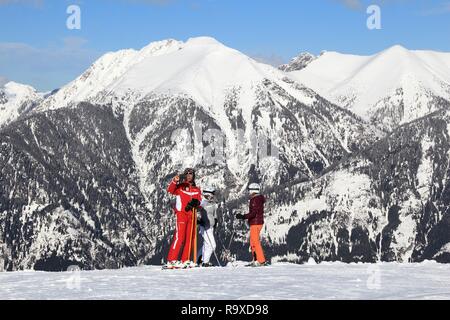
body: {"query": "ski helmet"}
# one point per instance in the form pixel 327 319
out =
pixel 254 188
pixel 208 190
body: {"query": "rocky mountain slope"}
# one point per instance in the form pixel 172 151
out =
pixel 83 175
pixel 298 63
pixel 387 203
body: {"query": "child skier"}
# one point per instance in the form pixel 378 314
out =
pixel 207 222
pixel 188 197
pixel 256 221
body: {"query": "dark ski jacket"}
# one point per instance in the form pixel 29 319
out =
pixel 256 214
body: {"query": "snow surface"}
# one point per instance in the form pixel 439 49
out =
pixel 428 280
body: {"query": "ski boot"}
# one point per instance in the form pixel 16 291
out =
pixel 258 264
pixel 189 264
pixel 206 265
pixel 173 265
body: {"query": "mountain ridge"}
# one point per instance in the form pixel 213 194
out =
pixel 389 88
pixel 84 174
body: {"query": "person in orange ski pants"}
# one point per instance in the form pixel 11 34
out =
pixel 255 219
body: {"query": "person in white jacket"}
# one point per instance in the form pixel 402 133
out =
pixel 207 222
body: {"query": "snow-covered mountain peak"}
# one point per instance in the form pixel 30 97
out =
pixel 397 49
pixel 161 47
pixel 298 63
pixel 105 71
pixel 14 89
pixel 201 68
pixel 15 100
pixel 203 41
pixel 201 79
pixel 391 87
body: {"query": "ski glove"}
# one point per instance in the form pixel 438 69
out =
pixel 240 216
pixel 194 203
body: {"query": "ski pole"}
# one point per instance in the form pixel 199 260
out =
pixel 195 235
pixel 231 239
pixel 229 244
pixel 214 251
pixel 190 238
pixel 226 251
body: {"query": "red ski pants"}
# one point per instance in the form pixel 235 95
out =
pixel 183 237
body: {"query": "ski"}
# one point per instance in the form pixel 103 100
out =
pixel 179 268
pixel 169 268
pixel 257 265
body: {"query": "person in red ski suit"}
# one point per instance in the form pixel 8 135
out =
pixel 188 196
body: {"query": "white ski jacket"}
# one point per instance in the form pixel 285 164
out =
pixel 208 212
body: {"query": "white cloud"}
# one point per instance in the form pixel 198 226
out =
pixel 160 2
pixel 3 81
pixel 271 59
pixel 46 68
pixel 74 42
pixel 353 4
pixel 41 2
pixel 443 8
pixel 362 4
pixel 31 2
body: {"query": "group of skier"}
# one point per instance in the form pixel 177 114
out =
pixel 195 206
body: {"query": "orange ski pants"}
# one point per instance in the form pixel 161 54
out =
pixel 255 243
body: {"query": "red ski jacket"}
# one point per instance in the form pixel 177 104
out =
pixel 256 214
pixel 184 193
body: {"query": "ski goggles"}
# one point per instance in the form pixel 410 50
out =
pixel 208 196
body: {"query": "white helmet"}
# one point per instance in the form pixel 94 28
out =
pixel 254 188
pixel 208 190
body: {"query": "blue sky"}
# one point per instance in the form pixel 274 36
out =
pixel 37 48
